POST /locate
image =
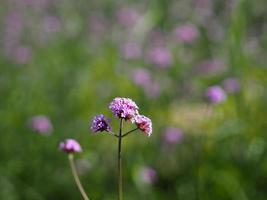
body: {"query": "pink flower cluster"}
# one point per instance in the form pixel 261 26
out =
pixel 124 108
pixel 215 94
pixel 186 33
pixel 127 109
pixel 144 124
pixel 70 146
pixel 160 56
pixel 148 175
pixel 41 124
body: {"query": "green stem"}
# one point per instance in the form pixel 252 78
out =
pixel 129 132
pixel 76 177
pixel 113 134
pixel 120 194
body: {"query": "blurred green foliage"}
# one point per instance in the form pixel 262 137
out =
pixel 74 70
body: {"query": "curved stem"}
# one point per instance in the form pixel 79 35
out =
pixel 76 177
pixel 120 194
pixel 125 134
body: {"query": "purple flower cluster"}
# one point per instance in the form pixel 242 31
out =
pixel 148 175
pixel 124 108
pixel 127 16
pixel 127 109
pixel 70 146
pixel 100 123
pixel 215 94
pixel 131 50
pixel 186 33
pixel 160 56
pixel 41 124
pixel 143 78
pixel 231 85
pixel 172 135
pixel 144 124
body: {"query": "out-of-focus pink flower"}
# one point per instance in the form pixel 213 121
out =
pixel 215 94
pixel 148 175
pixel 172 135
pixel 70 146
pixel 186 33
pixel 144 124
pixel 210 67
pixel 127 17
pixel 152 89
pixel 98 23
pixel 160 56
pixel 141 77
pixel 12 32
pixel 51 24
pixel 131 50
pixel 41 124
pixel 231 85
pixel 22 54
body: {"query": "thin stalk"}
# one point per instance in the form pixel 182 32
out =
pixel 129 132
pixel 113 134
pixel 76 177
pixel 120 194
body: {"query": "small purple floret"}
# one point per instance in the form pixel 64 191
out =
pixel 131 50
pixel 215 94
pixel 186 33
pixel 231 85
pixel 160 56
pixel 100 123
pixel 70 146
pixel 41 124
pixel 124 108
pixel 144 124
pixel 172 135
pixel 148 175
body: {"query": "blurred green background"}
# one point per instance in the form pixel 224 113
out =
pixel 197 68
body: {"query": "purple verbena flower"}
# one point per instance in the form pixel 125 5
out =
pixel 14 25
pixel 160 56
pixel 144 124
pixel 152 89
pixel 141 77
pixel 98 23
pixel 131 50
pixel 186 33
pixel 100 123
pixel 215 94
pixel 127 17
pixel 172 135
pixel 41 124
pixel 51 24
pixel 70 146
pixel 231 85
pixel 148 175
pixel 22 54
pixel 124 108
